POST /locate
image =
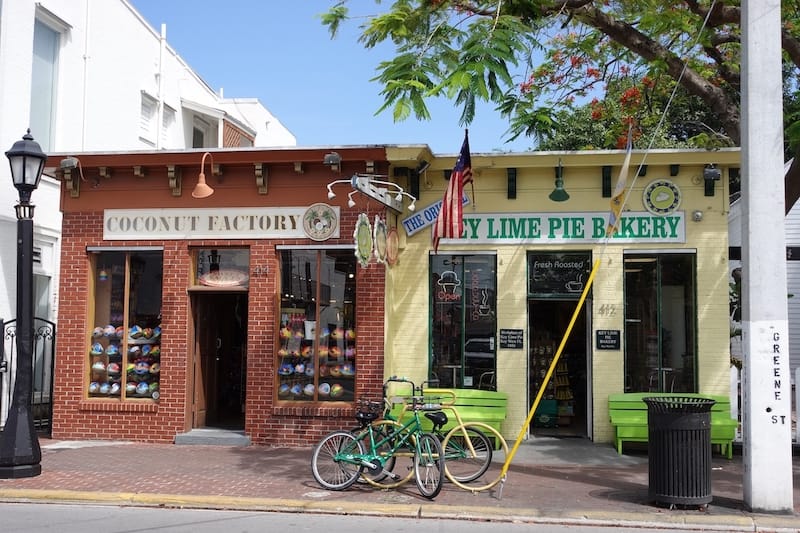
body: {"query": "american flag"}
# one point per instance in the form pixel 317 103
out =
pixel 618 196
pixel 450 221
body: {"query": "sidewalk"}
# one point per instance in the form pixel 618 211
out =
pixel 549 480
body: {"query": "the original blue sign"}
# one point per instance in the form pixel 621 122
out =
pixel 424 218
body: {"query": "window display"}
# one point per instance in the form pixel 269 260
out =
pixel 125 345
pixel 464 320
pixel 316 354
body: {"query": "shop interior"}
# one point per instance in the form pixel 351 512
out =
pixel 562 411
pixel 220 360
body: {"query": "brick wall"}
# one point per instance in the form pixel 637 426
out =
pixel 75 416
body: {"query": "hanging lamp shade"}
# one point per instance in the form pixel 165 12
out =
pixel 559 194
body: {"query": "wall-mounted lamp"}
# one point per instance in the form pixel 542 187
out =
pixel 511 181
pixel 605 174
pixel 423 166
pixel 202 190
pixel 697 215
pixel 298 167
pixel 674 169
pixel 559 194
pixel 642 170
pixel 333 160
pixel 711 174
pixel 174 179
pixel 388 193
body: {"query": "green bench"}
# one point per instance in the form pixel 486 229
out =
pixel 628 414
pixel 473 405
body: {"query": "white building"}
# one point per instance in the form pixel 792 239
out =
pixel 93 75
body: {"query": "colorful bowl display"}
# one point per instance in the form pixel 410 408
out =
pixel 94 387
pixel 297 390
pixel 97 349
pixel 142 388
pixel 324 389
pixel 286 369
pixel 308 390
pixel 284 390
pixel 97 332
pixel 336 390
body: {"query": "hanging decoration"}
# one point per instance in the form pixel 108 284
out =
pixel 363 239
pixel 392 246
pixel 379 234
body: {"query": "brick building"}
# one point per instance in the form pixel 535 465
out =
pixel 245 310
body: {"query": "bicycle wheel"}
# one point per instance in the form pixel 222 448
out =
pixel 398 467
pixel 336 462
pixel 498 444
pixel 429 465
pixel 467 454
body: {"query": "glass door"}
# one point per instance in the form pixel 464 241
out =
pixel 660 315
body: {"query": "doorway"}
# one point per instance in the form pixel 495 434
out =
pixel 219 363
pixel 564 406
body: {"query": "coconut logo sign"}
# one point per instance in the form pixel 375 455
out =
pixel 448 287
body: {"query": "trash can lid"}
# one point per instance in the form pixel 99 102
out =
pixel 678 404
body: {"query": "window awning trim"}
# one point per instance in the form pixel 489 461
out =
pixel 98 249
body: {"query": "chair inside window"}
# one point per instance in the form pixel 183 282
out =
pixel 488 381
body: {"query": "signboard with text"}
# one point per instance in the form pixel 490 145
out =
pixel 559 228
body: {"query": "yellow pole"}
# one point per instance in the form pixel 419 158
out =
pixel 550 370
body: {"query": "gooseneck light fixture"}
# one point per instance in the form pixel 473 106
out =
pixel 559 194
pixel 386 192
pixel 202 190
pixel 20 454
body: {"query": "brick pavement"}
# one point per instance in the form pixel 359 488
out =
pixel 572 482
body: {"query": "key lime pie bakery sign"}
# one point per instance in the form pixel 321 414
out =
pixel 318 222
pixel 571 227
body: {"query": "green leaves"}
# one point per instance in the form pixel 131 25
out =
pixel 539 60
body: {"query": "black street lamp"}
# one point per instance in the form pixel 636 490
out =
pixel 20 454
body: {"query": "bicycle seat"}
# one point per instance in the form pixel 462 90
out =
pixel 439 419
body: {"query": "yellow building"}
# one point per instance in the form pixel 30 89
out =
pixel 490 309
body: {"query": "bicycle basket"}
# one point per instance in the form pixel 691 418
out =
pixel 368 410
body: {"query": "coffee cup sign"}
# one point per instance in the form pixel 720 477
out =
pixel 562 274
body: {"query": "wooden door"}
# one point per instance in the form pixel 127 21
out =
pixel 203 361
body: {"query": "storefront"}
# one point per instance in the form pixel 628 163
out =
pixel 271 305
pixel 245 310
pixel 499 301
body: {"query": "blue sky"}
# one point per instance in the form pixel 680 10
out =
pixel 279 52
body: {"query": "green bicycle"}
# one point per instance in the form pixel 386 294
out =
pixel 467 451
pixel 340 458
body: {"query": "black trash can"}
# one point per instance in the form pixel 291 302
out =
pixel 679 450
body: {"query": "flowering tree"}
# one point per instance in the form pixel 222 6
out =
pixel 536 58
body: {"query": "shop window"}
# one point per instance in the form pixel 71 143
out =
pixel 316 354
pixel 464 321
pixel 125 346
pixel 660 315
pixel 222 268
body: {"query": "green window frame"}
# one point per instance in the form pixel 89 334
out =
pixel 463 304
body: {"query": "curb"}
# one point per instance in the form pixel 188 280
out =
pixel 778 524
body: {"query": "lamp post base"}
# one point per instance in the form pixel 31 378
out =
pixel 21 471
pixel 20 454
